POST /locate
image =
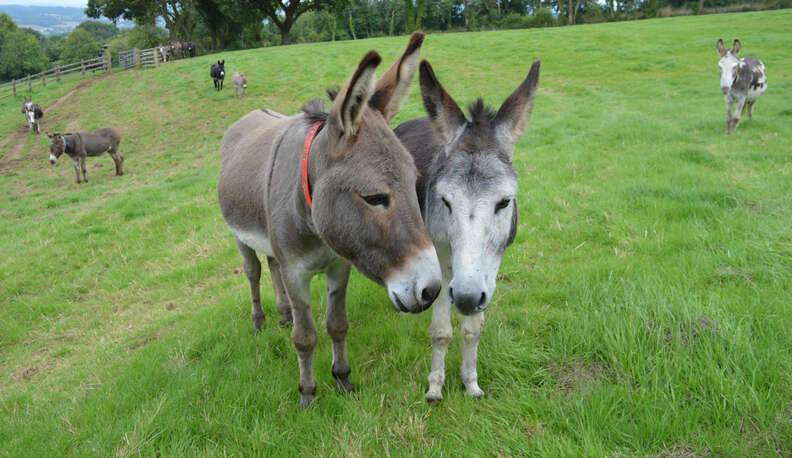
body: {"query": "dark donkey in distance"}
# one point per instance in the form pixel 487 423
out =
pixel 217 73
pixel 80 145
pixel 350 200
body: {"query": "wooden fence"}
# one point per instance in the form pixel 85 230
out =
pixel 151 57
pixel 54 75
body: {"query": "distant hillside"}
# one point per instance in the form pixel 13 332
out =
pixel 50 20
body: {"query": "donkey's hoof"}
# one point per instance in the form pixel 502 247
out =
pixel 344 386
pixel 258 322
pixel 306 395
pixel 286 322
pixel 433 398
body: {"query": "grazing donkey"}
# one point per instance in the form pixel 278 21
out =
pixel 742 81
pixel 218 74
pixel 240 83
pixel 467 188
pixel 32 113
pixel 79 146
pixel 350 200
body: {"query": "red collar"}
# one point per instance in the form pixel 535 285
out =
pixel 309 138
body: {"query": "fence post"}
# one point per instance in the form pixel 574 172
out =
pixel 137 57
pixel 109 62
pixel 156 58
pixel 13 85
pixel 43 80
pixel 57 74
pixel 30 86
pixel 82 66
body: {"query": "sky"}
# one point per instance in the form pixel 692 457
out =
pixel 78 3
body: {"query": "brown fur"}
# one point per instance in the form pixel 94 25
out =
pixel 355 159
pixel 83 144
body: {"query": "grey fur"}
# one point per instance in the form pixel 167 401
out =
pixel 467 190
pixel 83 144
pixel 32 113
pixel 240 83
pixel 355 160
pixel 742 82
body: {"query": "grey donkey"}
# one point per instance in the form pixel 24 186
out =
pixel 32 113
pixel 468 195
pixel 349 201
pixel 83 144
pixel 742 81
pixel 240 83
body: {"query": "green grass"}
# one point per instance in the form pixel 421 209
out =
pixel 643 309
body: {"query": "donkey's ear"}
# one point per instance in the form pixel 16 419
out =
pixel 736 48
pixel 394 84
pixel 443 111
pixel 514 114
pixel 351 101
pixel 721 49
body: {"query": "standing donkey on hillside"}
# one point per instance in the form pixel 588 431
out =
pixel 350 200
pixel 742 81
pixel 468 195
pixel 217 72
pixel 32 113
pixel 81 145
pixel 240 83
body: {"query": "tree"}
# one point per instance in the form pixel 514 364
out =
pixel 99 30
pixel 20 52
pixel 175 13
pixel 80 45
pixel 284 13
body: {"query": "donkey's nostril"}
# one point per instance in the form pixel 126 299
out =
pixel 451 293
pixel 483 299
pixel 429 294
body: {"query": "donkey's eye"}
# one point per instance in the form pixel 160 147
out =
pixel 377 200
pixel 502 204
pixel 445 202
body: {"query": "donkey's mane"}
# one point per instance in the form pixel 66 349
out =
pixel 480 114
pixel 315 111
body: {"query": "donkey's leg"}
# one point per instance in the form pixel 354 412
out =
pixel 281 299
pixel 337 324
pixel 82 166
pixel 297 283
pixel 440 333
pixel 253 273
pixel 76 163
pixel 116 161
pixel 738 114
pixel 728 116
pixel 471 334
pixel 750 109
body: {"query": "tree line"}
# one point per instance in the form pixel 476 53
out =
pixel 239 24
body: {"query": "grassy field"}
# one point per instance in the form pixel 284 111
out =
pixel 644 308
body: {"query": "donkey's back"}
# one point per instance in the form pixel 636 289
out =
pixel 245 160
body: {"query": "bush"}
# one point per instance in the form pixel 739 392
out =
pixel 543 17
pixel 516 21
pixel 80 44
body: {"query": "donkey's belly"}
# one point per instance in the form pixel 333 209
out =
pixel 254 239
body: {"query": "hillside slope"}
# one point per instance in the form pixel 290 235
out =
pixel 643 309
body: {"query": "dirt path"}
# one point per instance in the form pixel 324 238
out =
pixel 20 135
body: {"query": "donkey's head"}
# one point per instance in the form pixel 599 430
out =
pixel 57 146
pixel 728 64
pixel 470 202
pixel 364 203
pixel 221 68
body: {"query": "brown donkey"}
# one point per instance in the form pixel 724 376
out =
pixel 350 200
pixel 80 145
